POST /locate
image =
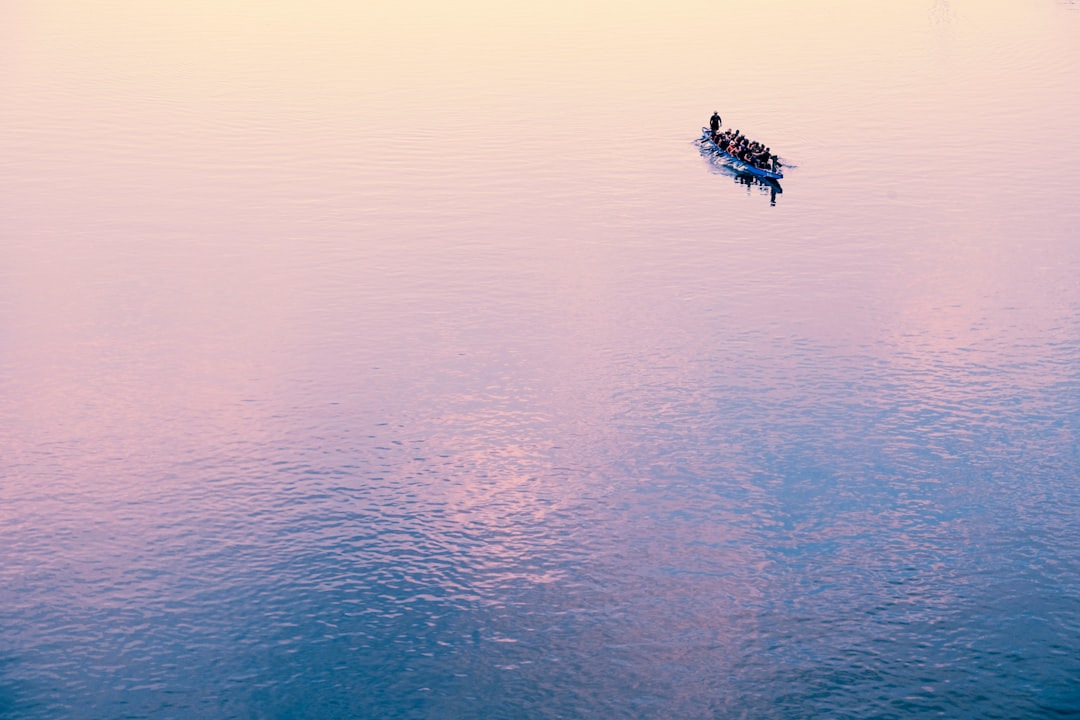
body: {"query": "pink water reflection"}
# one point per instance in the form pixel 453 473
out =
pixel 334 325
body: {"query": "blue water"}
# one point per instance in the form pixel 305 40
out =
pixel 348 371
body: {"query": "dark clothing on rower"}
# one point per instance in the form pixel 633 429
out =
pixel 714 122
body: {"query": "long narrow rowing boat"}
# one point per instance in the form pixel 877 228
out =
pixel 737 164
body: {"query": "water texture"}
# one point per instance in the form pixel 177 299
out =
pixel 414 362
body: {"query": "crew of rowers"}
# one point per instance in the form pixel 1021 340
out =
pixel 741 147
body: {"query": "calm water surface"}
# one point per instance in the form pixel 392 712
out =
pixel 379 361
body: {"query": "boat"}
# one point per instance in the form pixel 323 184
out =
pixel 737 164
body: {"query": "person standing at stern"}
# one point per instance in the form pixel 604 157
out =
pixel 714 122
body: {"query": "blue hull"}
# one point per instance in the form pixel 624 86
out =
pixel 737 164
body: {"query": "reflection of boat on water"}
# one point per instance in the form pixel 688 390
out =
pixel 737 164
pixel 751 180
pixel 720 164
pixel 766 185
